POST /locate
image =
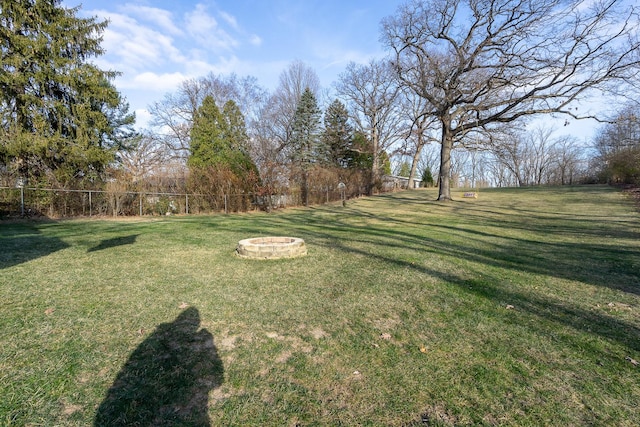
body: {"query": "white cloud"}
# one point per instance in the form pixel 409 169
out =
pixel 132 46
pixel 255 40
pixel 204 29
pixel 164 19
pixel 156 50
pixel 342 58
pixel 230 19
pixel 143 118
pixel 160 83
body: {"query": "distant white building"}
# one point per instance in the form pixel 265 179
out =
pixel 392 182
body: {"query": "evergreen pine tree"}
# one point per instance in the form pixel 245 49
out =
pixel 305 138
pixel 404 169
pixel 60 116
pixel 219 138
pixel 240 161
pixel 208 143
pixel 338 134
pixel 427 177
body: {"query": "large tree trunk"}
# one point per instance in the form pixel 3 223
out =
pixel 373 174
pixel 445 164
pixel 375 167
pixel 305 187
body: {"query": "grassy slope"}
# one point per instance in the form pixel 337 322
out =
pixel 518 308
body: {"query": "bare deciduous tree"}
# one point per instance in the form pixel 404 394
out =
pixel 146 157
pixel 173 116
pixel 617 146
pixel 371 94
pixel 420 128
pixel 429 160
pixel 569 161
pixel 535 157
pixel 274 127
pixel 480 63
pixel 282 104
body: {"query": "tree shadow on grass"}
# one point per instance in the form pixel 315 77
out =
pixel 167 379
pixel 116 241
pixel 573 260
pixel 573 253
pixel 22 243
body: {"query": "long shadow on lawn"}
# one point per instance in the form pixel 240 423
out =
pixel 167 379
pixel 604 264
pixel 116 241
pixel 545 309
pixel 23 243
pixel 571 260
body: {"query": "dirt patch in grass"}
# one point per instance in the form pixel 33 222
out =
pixel 318 333
pixel 227 343
pixel 70 409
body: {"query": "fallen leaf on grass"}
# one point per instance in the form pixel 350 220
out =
pixel 385 336
pixel 510 307
pixel 49 311
pixel 423 349
pixel 619 306
pixel 632 361
pixel 183 305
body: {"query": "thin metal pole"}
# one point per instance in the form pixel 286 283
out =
pixel 89 204
pixel 22 200
pixel 186 204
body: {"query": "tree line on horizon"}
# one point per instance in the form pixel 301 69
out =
pixel 453 104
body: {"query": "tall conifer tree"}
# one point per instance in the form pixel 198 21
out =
pixel 338 134
pixel 207 135
pixel 60 116
pixel 219 139
pixel 305 138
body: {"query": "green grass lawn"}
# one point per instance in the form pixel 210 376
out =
pixel 521 307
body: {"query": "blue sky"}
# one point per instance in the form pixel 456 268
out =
pixel 156 44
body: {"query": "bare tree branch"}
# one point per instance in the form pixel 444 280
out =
pixel 481 63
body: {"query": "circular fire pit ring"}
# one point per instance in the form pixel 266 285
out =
pixel 271 247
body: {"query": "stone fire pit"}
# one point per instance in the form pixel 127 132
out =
pixel 271 247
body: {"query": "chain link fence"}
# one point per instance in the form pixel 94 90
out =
pixel 62 203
